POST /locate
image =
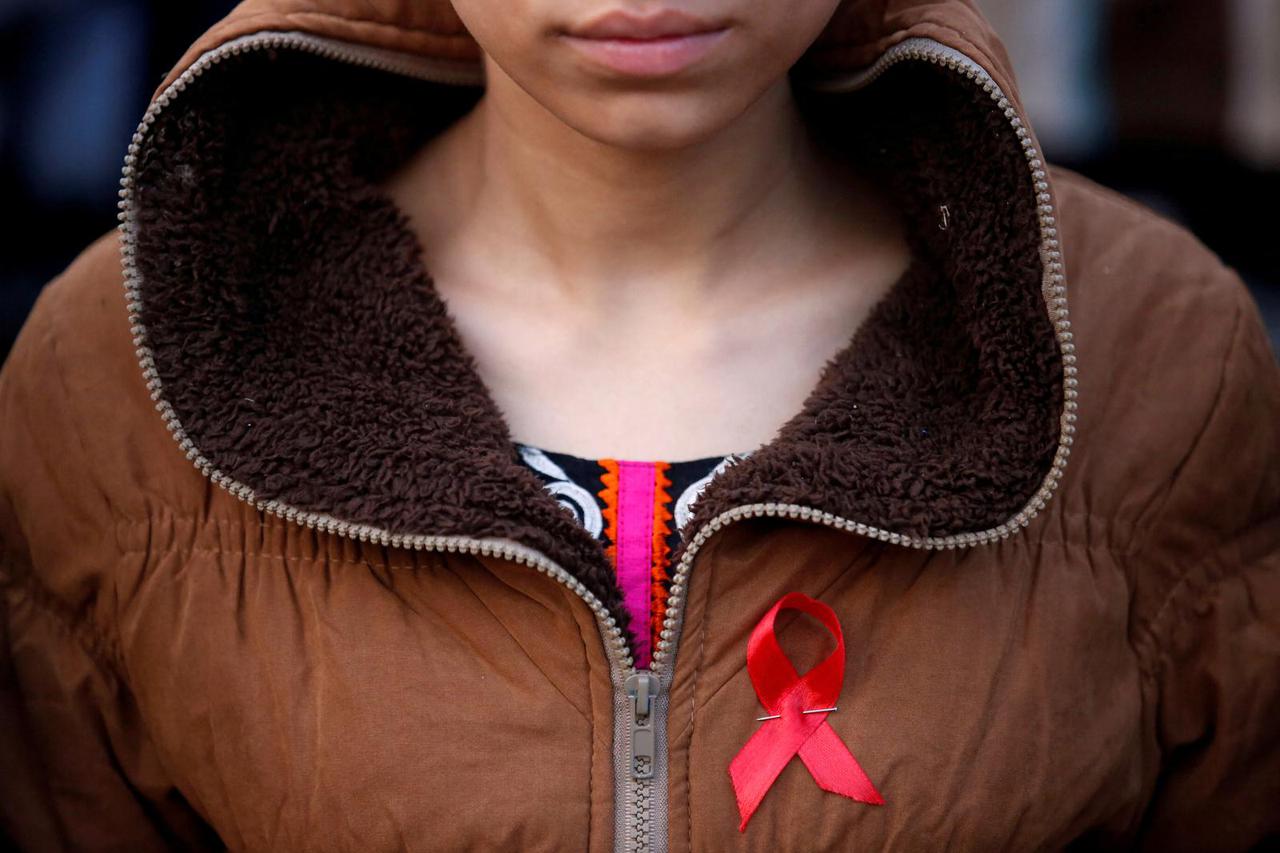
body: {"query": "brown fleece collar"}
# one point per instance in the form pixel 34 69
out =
pixel 306 355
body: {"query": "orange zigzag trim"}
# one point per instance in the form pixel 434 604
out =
pixel 609 494
pixel 659 577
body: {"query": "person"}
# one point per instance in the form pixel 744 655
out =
pixel 582 424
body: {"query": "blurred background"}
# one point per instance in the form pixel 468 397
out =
pixel 1174 102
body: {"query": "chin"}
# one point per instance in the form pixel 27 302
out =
pixel 650 121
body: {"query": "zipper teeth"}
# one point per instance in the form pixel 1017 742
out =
pixel 1054 292
pixel 616 644
pixel 643 815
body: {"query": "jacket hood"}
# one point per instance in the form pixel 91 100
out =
pixel 297 350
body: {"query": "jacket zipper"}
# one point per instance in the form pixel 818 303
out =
pixel 640 695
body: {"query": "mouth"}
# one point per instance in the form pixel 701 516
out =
pixel 655 45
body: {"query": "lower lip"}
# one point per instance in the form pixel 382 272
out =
pixel 658 57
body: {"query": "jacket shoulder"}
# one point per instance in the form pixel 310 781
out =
pixel 1163 330
pixel 1154 314
pixel 83 451
pixel 1113 241
pixel 74 750
pixel 72 382
pixel 1179 445
pixel 1178 439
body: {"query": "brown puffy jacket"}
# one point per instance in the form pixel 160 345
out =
pixel 357 623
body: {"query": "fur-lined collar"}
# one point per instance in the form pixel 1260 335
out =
pixel 302 358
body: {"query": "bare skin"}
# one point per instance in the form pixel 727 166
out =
pixel 668 302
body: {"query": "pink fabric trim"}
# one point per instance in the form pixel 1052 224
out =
pixel 635 547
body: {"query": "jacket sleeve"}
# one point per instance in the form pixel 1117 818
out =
pixel 1212 636
pixel 77 769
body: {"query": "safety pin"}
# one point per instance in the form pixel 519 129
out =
pixel 812 711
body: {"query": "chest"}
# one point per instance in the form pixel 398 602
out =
pixel 649 378
pixel 334 701
pixel 992 698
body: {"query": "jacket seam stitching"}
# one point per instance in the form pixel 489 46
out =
pixel 321 555
pixel 266 555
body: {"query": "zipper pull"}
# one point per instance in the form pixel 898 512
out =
pixel 641 690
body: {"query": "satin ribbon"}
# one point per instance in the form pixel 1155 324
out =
pixel 783 691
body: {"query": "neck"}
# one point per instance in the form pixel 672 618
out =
pixel 513 184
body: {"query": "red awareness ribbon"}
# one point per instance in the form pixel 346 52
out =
pixel 784 692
